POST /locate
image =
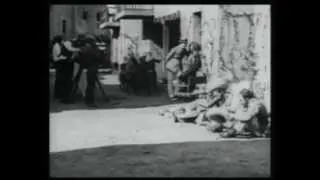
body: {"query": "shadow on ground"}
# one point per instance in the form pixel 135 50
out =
pixel 118 98
pixel 191 159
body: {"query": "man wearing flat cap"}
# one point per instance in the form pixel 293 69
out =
pixel 89 59
pixel 173 64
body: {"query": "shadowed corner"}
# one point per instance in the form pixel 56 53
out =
pixel 189 159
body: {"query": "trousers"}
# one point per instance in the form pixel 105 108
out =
pixel 171 77
pixel 91 84
pixel 63 82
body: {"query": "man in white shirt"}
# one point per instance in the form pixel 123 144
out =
pixel 62 53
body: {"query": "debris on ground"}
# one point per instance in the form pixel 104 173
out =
pixel 238 113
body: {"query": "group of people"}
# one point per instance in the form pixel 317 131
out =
pixel 65 53
pixel 138 73
pixel 226 111
pixel 182 64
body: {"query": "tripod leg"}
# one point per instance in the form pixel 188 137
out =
pixel 101 89
pixel 75 83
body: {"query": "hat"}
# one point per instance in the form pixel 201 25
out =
pixel 183 40
pixel 216 83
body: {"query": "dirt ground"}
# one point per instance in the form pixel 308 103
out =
pixel 127 137
pixel 192 159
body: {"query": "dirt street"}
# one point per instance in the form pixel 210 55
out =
pixel 130 120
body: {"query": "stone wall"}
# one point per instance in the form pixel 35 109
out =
pixel 245 45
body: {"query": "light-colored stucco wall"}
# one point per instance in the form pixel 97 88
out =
pixel 227 29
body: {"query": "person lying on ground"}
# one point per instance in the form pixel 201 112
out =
pixel 198 107
pixel 219 89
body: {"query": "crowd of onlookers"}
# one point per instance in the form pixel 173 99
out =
pixel 182 63
pixel 138 74
pixel 84 51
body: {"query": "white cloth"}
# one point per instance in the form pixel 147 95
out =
pixel 69 46
pixel 82 82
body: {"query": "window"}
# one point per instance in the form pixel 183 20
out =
pixel 85 15
pixel 98 16
pixel 64 26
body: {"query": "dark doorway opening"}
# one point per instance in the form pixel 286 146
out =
pixel 197 27
pixel 153 31
pixel 174 33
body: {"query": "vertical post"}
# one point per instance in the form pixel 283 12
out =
pixel 165 39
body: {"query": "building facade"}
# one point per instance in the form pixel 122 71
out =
pixel 70 20
pixel 236 37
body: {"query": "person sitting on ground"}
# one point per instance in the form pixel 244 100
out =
pixel 250 118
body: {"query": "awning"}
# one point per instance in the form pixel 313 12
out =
pixel 109 25
pixel 169 17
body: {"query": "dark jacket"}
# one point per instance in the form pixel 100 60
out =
pixel 131 64
pixel 89 56
pixel 149 66
pixel 190 66
pixel 65 52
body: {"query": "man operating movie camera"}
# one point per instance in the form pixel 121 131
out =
pixel 90 57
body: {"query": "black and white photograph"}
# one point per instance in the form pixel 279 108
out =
pixel 170 90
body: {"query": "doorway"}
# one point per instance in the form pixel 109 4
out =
pixel 197 27
pixel 174 33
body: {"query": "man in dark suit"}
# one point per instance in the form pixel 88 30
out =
pixel 89 58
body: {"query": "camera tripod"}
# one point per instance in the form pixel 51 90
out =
pixel 75 86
